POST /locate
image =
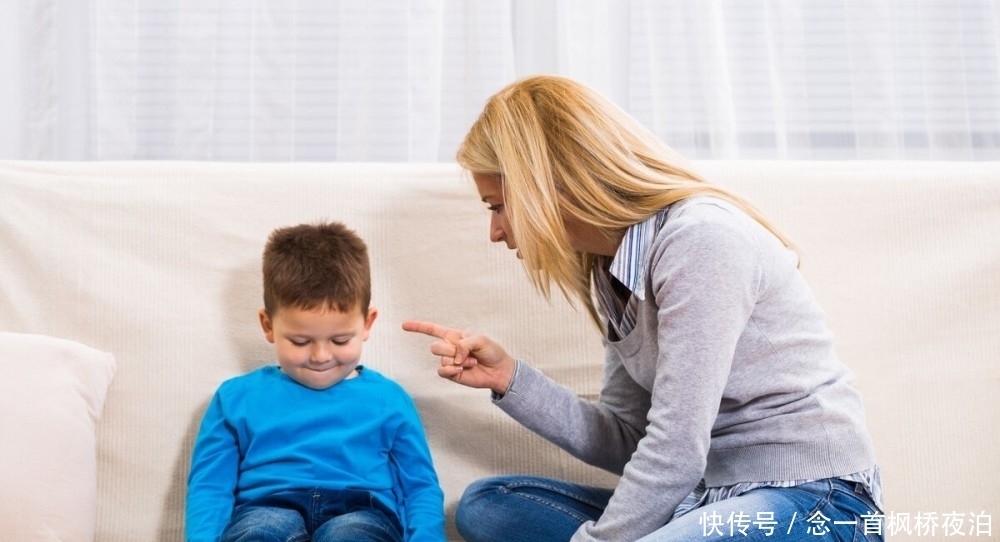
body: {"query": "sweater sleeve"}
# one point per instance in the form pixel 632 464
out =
pixel 212 480
pixel 705 278
pixel 422 498
pixel 602 433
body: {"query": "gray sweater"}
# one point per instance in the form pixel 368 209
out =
pixel 729 375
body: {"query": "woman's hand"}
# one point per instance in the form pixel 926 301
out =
pixel 473 360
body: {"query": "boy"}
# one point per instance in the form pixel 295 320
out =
pixel 319 447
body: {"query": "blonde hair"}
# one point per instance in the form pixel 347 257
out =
pixel 561 149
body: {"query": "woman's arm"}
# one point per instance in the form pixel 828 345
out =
pixel 602 433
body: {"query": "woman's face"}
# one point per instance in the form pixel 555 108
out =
pixel 491 192
pixel 582 237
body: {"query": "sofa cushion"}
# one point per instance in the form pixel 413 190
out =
pixel 51 396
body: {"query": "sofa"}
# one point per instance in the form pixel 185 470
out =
pixel 129 291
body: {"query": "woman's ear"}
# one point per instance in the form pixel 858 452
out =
pixel 266 325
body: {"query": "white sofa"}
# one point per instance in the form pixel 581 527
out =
pixel 157 264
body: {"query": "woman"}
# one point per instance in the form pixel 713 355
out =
pixel 724 407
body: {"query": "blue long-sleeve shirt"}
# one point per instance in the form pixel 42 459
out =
pixel 264 433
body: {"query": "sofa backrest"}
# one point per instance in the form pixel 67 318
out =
pixel 158 263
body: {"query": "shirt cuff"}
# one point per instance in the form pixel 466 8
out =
pixel 497 397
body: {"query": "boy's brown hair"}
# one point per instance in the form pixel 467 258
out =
pixel 321 265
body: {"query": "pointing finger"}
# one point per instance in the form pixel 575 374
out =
pixel 434 330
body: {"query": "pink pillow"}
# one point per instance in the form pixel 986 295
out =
pixel 51 395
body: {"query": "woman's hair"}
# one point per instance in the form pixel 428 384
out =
pixel 559 149
pixel 312 266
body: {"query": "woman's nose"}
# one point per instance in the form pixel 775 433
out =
pixel 496 230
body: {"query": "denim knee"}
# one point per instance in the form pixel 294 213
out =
pixel 472 517
pixel 265 524
pixel 526 509
pixel 362 526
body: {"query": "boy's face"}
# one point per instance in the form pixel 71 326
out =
pixel 317 348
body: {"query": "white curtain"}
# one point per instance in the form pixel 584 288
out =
pixel 401 80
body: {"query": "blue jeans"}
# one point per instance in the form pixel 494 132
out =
pixel 533 509
pixel 315 515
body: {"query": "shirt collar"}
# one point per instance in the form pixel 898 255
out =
pixel 629 263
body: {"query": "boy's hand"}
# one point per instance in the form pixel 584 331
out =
pixel 473 360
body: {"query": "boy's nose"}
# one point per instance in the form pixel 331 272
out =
pixel 321 352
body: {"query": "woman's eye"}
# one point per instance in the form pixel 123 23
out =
pixel 495 208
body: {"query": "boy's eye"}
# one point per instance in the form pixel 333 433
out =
pixel 305 342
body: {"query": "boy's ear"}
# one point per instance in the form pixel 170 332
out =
pixel 266 325
pixel 369 320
